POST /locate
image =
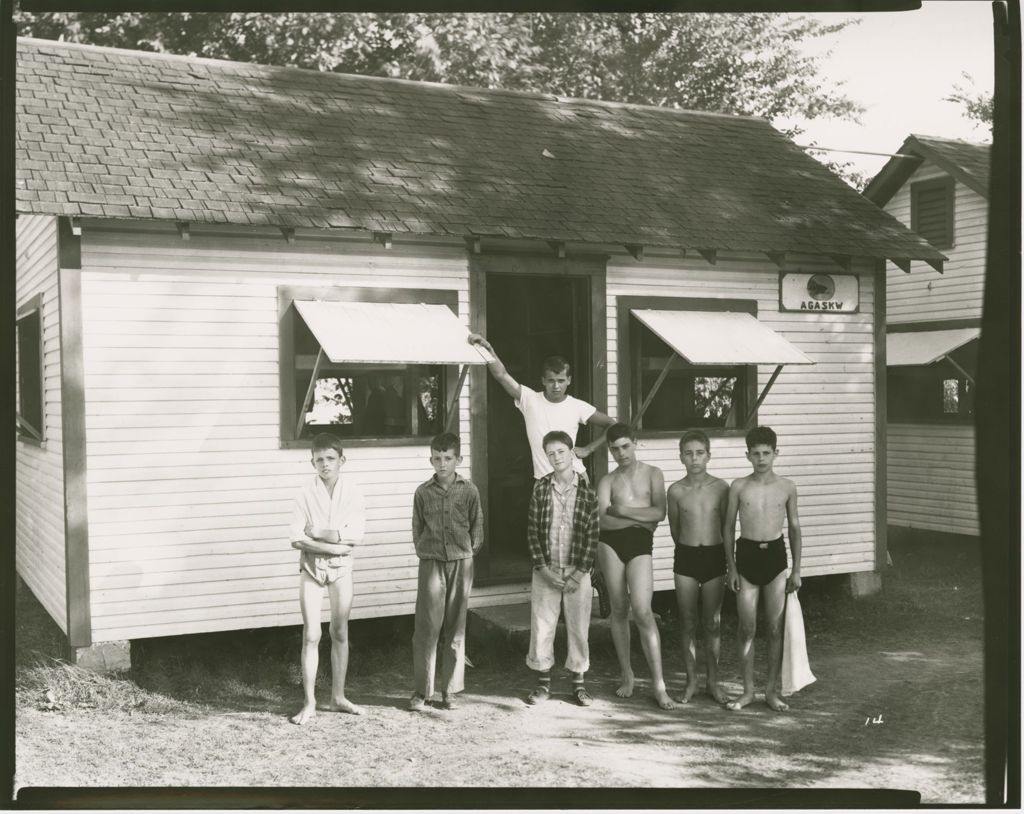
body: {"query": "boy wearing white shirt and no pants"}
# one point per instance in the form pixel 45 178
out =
pixel 328 518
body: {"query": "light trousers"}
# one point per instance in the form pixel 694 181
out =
pixel 546 603
pixel 442 599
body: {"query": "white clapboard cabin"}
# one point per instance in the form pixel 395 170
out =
pixel 193 233
pixel 939 188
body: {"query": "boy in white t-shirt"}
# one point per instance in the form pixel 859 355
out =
pixel 549 410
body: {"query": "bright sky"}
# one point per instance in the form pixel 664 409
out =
pixel 899 66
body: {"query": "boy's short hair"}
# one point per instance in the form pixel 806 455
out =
pixel 445 441
pixel 695 435
pixel 762 435
pixel 619 430
pixel 557 435
pixel 555 364
pixel 327 440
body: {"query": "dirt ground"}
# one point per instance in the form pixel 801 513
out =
pixel 897 705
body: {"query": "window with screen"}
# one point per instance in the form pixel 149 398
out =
pixel 714 398
pixel 932 205
pixel 363 404
pixel 30 419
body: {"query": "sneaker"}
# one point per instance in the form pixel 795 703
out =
pixel 604 603
pixel 417 703
pixel 538 694
pixel 583 698
pixel 448 702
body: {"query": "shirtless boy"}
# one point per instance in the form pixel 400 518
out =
pixel 757 566
pixel 631 503
pixel 696 507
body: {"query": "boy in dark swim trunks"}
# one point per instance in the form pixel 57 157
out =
pixel 696 507
pixel 757 566
pixel 631 503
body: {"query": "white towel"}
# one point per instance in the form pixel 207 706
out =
pixel 796 669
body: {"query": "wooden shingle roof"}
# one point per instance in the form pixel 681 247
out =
pixel 124 134
pixel 966 161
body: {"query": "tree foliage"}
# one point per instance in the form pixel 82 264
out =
pixel 977 105
pixel 749 64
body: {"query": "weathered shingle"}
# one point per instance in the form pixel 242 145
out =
pixel 127 134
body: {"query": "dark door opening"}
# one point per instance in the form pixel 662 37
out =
pixel 529 317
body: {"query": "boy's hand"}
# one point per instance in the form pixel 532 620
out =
pixel 581 452
pixel 478 339
pixel 793 583
pixel 571 585
pixel 733 579
pixel 553 577
pixel 310 531
pixel 612 511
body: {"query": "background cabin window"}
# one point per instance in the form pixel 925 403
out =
pixel 30 371
pixel 690 396
pixel 363 404
pixel 929 393
pixel 932 206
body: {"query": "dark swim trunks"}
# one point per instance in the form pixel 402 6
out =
pixel 700 562
pixel 628 543
pixel 760 562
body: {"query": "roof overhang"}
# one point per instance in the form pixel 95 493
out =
pixel 721 338
pixel 390 333
pixel 925 347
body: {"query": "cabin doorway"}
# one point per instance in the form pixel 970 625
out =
pixel 529 317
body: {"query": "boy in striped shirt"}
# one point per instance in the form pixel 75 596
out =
pixel 448 531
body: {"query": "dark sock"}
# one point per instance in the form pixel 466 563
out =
pixel 577 680
pixel 544 679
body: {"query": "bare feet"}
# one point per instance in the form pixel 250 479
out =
pixel 776 703
pixel 625 689
pixel 663 700
pixel 689 692
pixel 304 715
pixel 741 702
pixel 716 692
pixel 343 705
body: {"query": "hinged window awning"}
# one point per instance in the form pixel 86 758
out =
pixel 718 338
pixel 388 333
pixel 925 347
pixel 721 338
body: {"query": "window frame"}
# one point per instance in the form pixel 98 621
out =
pixel 947 185
pixel 34 305
pixel 627 351
pixel 933 374
pixel 286 316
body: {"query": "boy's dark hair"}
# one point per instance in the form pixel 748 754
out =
pixel 619 430
pixel 695 435
pixel 762 435
pixel 446 441
pixel 557 435
pixel 556 364
pixel 326 440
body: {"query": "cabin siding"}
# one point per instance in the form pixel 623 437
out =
pixel 831 459
pixel 39 491
pixel 182 413
pixel 924 294
pixel 931 478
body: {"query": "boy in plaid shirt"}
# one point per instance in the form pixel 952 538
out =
pixel 562 533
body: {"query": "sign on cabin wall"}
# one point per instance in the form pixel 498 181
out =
pixel 838 293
